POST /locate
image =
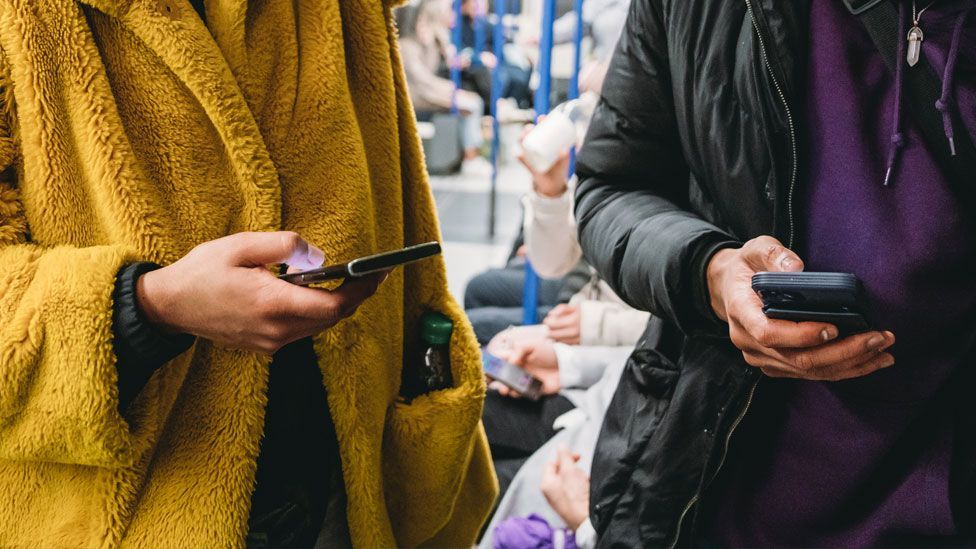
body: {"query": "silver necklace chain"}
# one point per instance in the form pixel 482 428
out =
pixel 916 15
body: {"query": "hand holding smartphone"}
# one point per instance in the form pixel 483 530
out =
pixel 364 266
pixel 758 288
pixel 512 376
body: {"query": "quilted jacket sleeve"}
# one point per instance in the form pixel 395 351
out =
pixel 58 384
pixel 634 221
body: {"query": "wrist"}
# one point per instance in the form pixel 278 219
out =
pixel 576 517
pixel 548 190
pixel 154 299
pixel 715 276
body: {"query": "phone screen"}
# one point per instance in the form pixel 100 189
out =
pixel 512 376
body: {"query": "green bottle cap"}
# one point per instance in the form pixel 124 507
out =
pixel 435 328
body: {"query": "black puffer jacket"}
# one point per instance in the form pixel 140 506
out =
pixel 693 148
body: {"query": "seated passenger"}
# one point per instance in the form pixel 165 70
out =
pixel 594 315
pixel 574 432
pixel 577 341
pixel 516 427
pixel 566 487
pixel 493 299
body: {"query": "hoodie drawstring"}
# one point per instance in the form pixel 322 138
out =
pixel 944 103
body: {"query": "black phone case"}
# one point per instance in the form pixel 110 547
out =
pixel 834 298
pixel 826 291
pixel 847 323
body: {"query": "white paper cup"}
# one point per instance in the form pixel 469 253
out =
pixel 543 145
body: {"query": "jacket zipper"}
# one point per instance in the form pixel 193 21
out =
pixel 789 120
pixel 721 462
pixel 790 242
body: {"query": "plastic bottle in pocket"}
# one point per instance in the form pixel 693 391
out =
pixel 431 371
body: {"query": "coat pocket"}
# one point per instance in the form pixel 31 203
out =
pixel 641 400
pixel 441 453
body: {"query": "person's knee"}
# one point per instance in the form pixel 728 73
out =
pixel 474 292
pixel 490 321
pixel 482 290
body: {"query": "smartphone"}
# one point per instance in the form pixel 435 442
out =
pixel 834 298
pixel 364 265
pixel 512 376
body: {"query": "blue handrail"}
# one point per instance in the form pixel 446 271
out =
pixel 530 293
pixel 542 94
pixel 574 83
pixel 574 90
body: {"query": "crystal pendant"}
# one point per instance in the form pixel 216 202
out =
pixel 914 45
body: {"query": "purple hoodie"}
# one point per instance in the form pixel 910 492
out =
pixel 876 460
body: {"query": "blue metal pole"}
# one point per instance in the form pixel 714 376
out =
pixel 498 39
pixel 577 50
pixel 455 60
pixel 530 295
pixel 545 57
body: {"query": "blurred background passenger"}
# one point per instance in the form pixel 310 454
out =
pixel 478 59
pixel 603 21
pixel 577 341
pixel 593 315
pixel 493 300
pixel 587 377
pixel 561 516
pixel 427 51
pixel 517 426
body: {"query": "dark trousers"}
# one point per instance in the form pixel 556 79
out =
pixel 513 81
pixel 493 300
pixel 299 473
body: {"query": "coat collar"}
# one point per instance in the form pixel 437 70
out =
pixel 213 73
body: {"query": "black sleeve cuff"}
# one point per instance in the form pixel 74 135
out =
pixel 712 324
pixel 140 348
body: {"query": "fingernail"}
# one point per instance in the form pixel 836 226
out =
pixel 876 342
pixel 786 263
pixel 316 256
pixel 304 259
pixel 828 333
pixel 889 362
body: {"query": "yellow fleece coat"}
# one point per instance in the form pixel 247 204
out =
pixel 132 132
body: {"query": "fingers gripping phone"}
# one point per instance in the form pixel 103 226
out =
pixel 834 298
pixel 364 265
pixel 512 376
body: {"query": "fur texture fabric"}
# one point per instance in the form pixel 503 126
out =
pixel 132 131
